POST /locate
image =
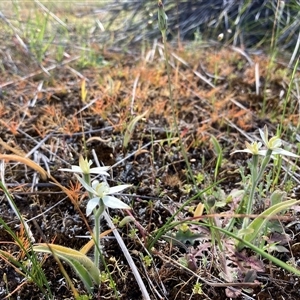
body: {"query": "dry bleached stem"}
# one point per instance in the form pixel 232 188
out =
pixel 130 261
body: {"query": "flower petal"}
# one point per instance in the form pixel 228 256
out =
pixel 101 188
pixel 254 147
pixel 264 135
pixel 259 152
pixel 284 152
pixel 262 152
pixel 91 205
pixel 65 170
pixel 84 165
pixel 113 202
pixel 94 184
pixel 118 188
pixel 85 185
pixel 74 169
pixel 244 150
pixel 100 171
pixel 274 142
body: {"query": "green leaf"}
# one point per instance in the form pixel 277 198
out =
pixel 218 150
pixel 82 265
pixel 81 272
pixel 187 236
pixel 126 220
pixel 261 220
pixel 162 18
pixel 277 197
pixel 130 129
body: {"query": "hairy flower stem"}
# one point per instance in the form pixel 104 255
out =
pixel 87 179
pixel 256 177
pixel 97 215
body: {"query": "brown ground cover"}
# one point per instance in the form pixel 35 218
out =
pixel 46 119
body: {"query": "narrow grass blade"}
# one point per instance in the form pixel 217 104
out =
pixel 130 129
pixel 259 251
pixel 218 151
pixel 83 91
pixel 35 272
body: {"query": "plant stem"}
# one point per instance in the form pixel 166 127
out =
pixel 87 179
pixel 256 177
pixel 97 215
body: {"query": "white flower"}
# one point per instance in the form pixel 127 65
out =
pixel 84 168
pixel 253 148
pixel 101 191
pixel 274 143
